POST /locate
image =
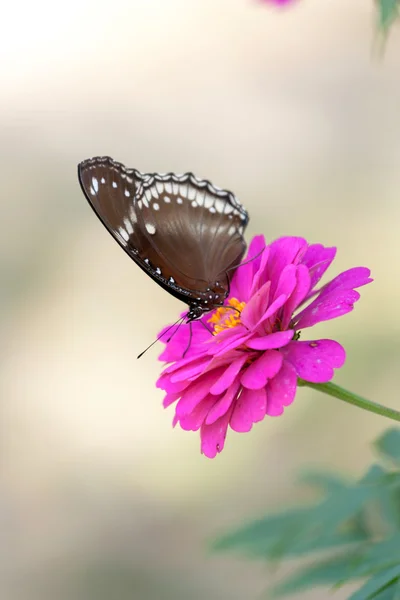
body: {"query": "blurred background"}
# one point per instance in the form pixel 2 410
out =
pixel 99 497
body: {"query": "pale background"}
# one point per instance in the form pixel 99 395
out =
pixel 100 498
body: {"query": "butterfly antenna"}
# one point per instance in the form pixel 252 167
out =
pixel 190 339
pixel 206 327
pixel 162 335
pixel 246 262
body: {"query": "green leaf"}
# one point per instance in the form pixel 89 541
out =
pixel 262 536
pixel 388 12
pixel 377 583
pixel 379 556
pixel 326 572
pixel 328 482
pixel 389 445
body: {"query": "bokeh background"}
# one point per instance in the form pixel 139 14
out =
pixel 99 497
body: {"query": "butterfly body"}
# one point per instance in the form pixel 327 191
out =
pixel 184 232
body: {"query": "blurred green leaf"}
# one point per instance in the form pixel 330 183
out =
pixel 356 526
pixel 382 581
pixel 322 573
pixel 388 11
pixel 389 445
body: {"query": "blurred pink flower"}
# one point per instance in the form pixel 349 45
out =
pixel 249 367
pixel 279 2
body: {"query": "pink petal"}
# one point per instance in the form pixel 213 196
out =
pixel 314 361
pixel 271 341
pixel 287 281
pixel 348 280
pixel 170 399
pixel 243 277
pixel 318 259
pixel 194 420
pixel 232 344
pixel 273 309
pixel 257 306
pixel 229 375
pixel 326 307
pixel 264 368
pixel 299 293
pixel 260 275
pixel 213 436
pixel 284 251
pixel 223 404
pixel 190 370
pixel 249 408
pixel 196 392
pixel 164 383
pixel 175 348
pixel 281 390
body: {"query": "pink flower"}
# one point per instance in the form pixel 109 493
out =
pixel 278 2
pixel 249 367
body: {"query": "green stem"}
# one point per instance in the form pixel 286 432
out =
pixel 338 392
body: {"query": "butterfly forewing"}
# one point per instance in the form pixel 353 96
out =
pixel 183 231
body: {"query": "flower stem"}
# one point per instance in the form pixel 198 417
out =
pixel 338 392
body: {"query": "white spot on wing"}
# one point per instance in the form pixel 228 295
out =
pixel 167 199
pixel 158 271
pixel 124 234
pixel 127 194
pixel 114 184
pixel 128 226
pixel 160 187
pixel 179 200
pixel 156 206
pixel 95 184
pixel 194 203
pixel 168 187
pixel 191 193
pixel 102 180
pixel 150 228
pixel 212 209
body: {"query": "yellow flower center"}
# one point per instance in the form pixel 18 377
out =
pixel 227 316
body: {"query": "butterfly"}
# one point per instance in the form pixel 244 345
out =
pixel 184 232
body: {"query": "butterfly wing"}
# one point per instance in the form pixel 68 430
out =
pixel 183 231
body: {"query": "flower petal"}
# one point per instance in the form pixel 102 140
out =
pixel 318 258
pixel 250 408
pixel 262 369
pixel 179 341
pixel 243 277
pixel 164 383
pixel 270 341
pixel 196 393
pixel 301 290
pixel 213 436
pixel 229 375
pixel 194 420
pixel 348 280
pixel 281 390
pixel 314 361
pixel 284 251
pixel 223 404
pixel 326 307
pixel 256 308
pixel 287 281
pixel 170 399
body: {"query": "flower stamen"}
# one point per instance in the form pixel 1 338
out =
pixel 227 316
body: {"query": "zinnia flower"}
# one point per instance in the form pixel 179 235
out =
pixel 279 2
pixel 250 365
